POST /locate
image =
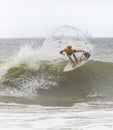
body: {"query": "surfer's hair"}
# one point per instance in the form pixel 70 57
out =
pixel 69 46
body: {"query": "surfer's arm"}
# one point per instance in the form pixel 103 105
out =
pixel 79 51
pixel 62 52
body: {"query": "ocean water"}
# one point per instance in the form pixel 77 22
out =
pixel 35 93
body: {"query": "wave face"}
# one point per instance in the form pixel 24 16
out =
pixel 49 85
pixel 31 71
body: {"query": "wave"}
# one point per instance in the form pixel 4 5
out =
pixel 50 85
pixel 35 76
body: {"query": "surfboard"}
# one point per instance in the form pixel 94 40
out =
pixel 82 60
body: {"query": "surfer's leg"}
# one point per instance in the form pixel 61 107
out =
pixel 69 56
pixel 75 58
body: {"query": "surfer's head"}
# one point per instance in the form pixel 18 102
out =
pixel 69 46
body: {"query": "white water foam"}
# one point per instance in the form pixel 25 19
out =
pixel 48 52
pixel 55 118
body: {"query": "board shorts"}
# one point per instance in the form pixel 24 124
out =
pixel 69 54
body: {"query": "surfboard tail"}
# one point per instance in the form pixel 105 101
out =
pixel 86 54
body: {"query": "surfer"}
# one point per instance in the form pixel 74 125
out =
pixel 69 51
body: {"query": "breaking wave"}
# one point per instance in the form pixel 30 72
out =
pixel 35 75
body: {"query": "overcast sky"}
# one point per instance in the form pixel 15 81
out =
pixel 35 18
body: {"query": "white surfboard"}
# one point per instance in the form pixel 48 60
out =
pixel 82 60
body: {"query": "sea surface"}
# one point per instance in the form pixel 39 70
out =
pixel 35 93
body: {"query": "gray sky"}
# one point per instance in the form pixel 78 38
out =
pixel 33 18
